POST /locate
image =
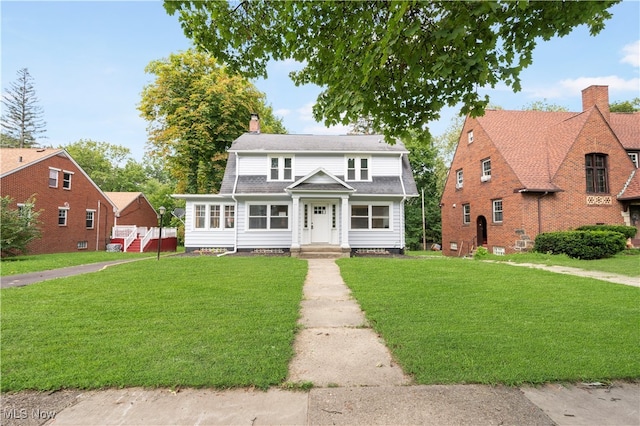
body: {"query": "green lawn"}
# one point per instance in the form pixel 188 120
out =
pixel 183 321
pixel 625 263
pixel 44 262
pixel 450 320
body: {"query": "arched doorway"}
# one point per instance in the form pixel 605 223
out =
pixel 481 229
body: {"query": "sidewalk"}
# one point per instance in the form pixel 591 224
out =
pixel 355 382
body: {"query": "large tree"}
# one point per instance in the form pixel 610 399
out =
pixel 399 62
pixel 22 118
pixel 195 109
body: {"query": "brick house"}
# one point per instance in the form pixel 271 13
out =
pixel 75 214
pixel 133 208
pixel 516 174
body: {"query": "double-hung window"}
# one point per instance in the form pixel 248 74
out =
pixel 66 179
pixel 459 179
pixel 229 217
pixel 596 173
pixel 214 216
pixel 281 168
pixel 466 214
pixel 62 216
pixel 497 211
pixel 368 216
pixel 486 170
pixel 53 177
pixel 268 216
pixel 90 219
pixel 358 168
pixel 200 216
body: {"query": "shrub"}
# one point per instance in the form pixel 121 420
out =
pixel 480 253
pixel 627 231
pixel 581 244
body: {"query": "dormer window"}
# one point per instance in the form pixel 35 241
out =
pixel 281 168
pixel 358 168
pixel 634 158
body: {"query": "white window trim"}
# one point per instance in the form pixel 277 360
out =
pixel 465 222
pixel 486 175
pixel 268 228
pixel 634 158
pixel 358 168
pixel 370 216
pixel 70 173
pixel 207 217
pixel 93 221
pixel 66 216
pixel 459 178
pixel 494 211
pixel 470 136
pixel 53 169
pixel 281 168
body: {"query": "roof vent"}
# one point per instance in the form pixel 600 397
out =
pixel 20 159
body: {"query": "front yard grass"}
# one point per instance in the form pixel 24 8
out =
pixel 182 321
pixel 451 320
pixel 624 263
pixel 43 262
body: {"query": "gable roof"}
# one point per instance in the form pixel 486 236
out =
pixel 535 143
pixel 264 142
pixel 627 128
pixel 14 159
pixel 631 190
pixel 122 200
pixel 320 180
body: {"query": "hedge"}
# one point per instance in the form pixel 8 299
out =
pixel 627 231
pixel 581 244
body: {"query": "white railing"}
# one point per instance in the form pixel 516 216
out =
pixel 154 234
pixel 122 231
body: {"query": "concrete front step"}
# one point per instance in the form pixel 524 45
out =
pixel 317 251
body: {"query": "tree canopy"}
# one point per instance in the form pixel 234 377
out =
pixel 195 109
pixel 399 62
pixel 22 118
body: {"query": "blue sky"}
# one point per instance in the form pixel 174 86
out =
pixel 87 60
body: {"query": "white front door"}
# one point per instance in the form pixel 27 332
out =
pixel 320 223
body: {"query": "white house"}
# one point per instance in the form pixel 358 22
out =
pixel 291 193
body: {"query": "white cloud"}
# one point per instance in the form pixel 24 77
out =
pixel 631 54
pixel 305 112
pixel 282 112
pixel 571 87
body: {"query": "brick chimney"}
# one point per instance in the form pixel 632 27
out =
pixel 254 124
pixel 596 96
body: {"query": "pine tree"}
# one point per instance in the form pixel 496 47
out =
pixel 22 116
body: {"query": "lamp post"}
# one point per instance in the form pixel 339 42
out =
pixel 162 210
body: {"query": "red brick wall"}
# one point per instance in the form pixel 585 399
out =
pixel 139 213
pixel 559 211
pixel 83 195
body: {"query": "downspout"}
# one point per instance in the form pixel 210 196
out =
pixel 404 198
pixel 98 228
pixel 235 225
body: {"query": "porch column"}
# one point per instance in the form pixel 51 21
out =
pixel 345 223
pixel 295 224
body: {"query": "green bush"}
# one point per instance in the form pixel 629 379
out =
pixel 627 231
pixel 581 244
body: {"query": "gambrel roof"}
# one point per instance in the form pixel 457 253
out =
pixel 257 143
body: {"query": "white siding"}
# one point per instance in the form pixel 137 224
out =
pixel 386 165
pixel 253 165
pixel 305 164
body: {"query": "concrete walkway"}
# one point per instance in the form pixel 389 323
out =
pixel 355 382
